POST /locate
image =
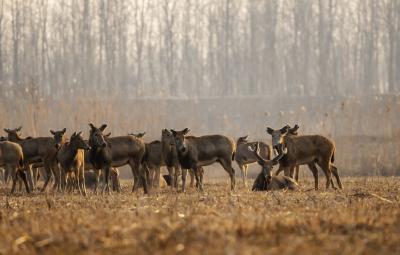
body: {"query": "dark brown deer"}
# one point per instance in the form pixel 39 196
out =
pixel 306 149
pixel 115 152
pixel 154 158
pixel 12 159
pixel 293 171
pixel 265 180
pixel 40 149
pixel 72 162
pixel 194 152
pixel 244 157
pixel 171 161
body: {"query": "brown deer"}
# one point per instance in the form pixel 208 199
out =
pixel 12 159
pixel 40 149
pixel 115 152
pixel 244 157
pixel 171 161
pixel 72 162
pixel 294 171
pixel 194 152
pixel 265 180
pixel 306 149
pixel 154 158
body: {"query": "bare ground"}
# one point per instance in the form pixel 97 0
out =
pixel 364 218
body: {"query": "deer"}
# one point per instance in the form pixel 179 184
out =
pixel 116 151
pixel 244 157
pixel 72 162
pixel 294 171
pixel 265 180
pixel 306 149
pixel 12 159
pixel 158 155
pixel 195 152
pixel 40 149
pixel 171 160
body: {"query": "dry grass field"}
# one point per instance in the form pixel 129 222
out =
pixel 364 218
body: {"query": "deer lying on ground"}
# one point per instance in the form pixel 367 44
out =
pixel 71 160
pixel 243 156
pixel 307 149
pixel 265 180
pixel 12 159
pixel 115 152
pixel 194 152
pixel 40 149
pixel 293 171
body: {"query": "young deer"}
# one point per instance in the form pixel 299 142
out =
pixel 71 158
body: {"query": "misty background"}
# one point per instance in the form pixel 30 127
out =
pixel 231 67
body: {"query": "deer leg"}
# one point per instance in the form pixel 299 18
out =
pixel 47 177
pixel 157 177
pixel 106 186
pixel 184 173
pixel 241 167
pixel 296 173
pixel 22 175
pixel 171 173
pixel 176 175
pixel 34 177
pixel 6 175
pixel 227 165
pixel 14 176
pixel 97 180
pixel 82 179
pixel 192 177
pixel 336 174
pixel 144 172
pixel 325 165
pixel 196 171
pixel 29 176
pixel 314 171
pixel 57 176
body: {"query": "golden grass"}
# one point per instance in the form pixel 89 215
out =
pixel 364 218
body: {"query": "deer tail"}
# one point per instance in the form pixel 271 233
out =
pixel 333 157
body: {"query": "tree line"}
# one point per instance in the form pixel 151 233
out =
pixel 191 48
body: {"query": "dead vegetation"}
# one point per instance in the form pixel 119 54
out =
pixel 364 218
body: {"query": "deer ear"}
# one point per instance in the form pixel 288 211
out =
pixel 64 130
pixel 52 132
pixel 92 126
pixel 186 130
pixel 19 128
pixel 103 127
pixel 142 134
pixel 269 130
pixel 7 130
pixel 284 130
pixel 79 133
pixel 173 132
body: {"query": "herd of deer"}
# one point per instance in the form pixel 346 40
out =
pixel 66 161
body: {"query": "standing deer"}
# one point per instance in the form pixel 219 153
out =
pixel 243 156
pixel 265 180
pixel 72 162
pixel 115 152
pixel 40 149
pixel 294 171
pixel 12 159
pixel 306 149
pixel 195 152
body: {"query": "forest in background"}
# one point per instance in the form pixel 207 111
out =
pixel 190 48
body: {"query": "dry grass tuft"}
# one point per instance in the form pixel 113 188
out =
pixel 364 218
